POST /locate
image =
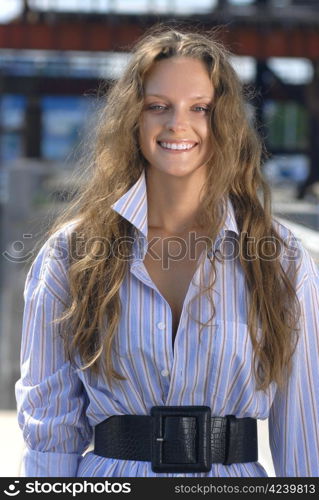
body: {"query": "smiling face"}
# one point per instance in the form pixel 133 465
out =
pixel 174 131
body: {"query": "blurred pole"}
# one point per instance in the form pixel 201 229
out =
pixel 263 6
pixel 312 103
pixel 221 4
pixel 261 88
pixel 33 125
pixel 261 81
pixel 26 10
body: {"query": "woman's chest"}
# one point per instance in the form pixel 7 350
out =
pixel 212 350
pixel 171 264
pixel 172 284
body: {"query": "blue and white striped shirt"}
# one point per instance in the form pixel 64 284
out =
pixel 58 404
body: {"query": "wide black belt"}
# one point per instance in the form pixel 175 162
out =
pixel 178 438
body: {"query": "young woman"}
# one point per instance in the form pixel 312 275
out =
pixel 168 310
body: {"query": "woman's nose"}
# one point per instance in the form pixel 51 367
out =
pixel 177 120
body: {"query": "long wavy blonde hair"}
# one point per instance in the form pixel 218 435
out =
pixel 234 171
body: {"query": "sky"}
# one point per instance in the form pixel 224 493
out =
pixel 11 8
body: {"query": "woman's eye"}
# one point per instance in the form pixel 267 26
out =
pixel 156 107
pixel 204 109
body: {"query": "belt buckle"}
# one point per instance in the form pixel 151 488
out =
pixel 202 461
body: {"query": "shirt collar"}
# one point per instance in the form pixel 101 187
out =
pixel 133 206
pixel 230 224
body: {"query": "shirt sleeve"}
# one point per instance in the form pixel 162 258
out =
pixel 51 400
pixel 294 414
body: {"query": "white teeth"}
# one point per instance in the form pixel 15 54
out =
pixel 170 145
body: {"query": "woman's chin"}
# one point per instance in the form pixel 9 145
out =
pixel 174 170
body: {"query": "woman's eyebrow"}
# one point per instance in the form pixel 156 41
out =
pixel 193 98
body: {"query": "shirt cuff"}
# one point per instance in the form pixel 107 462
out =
pixel 48 464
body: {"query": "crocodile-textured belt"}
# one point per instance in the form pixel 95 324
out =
pixel 178 438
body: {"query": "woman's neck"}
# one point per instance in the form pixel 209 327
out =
pixel 173 203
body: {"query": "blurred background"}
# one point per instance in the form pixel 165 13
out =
pixel 54 56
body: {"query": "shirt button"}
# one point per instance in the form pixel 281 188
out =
pixel 161 325
pixel 164 373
